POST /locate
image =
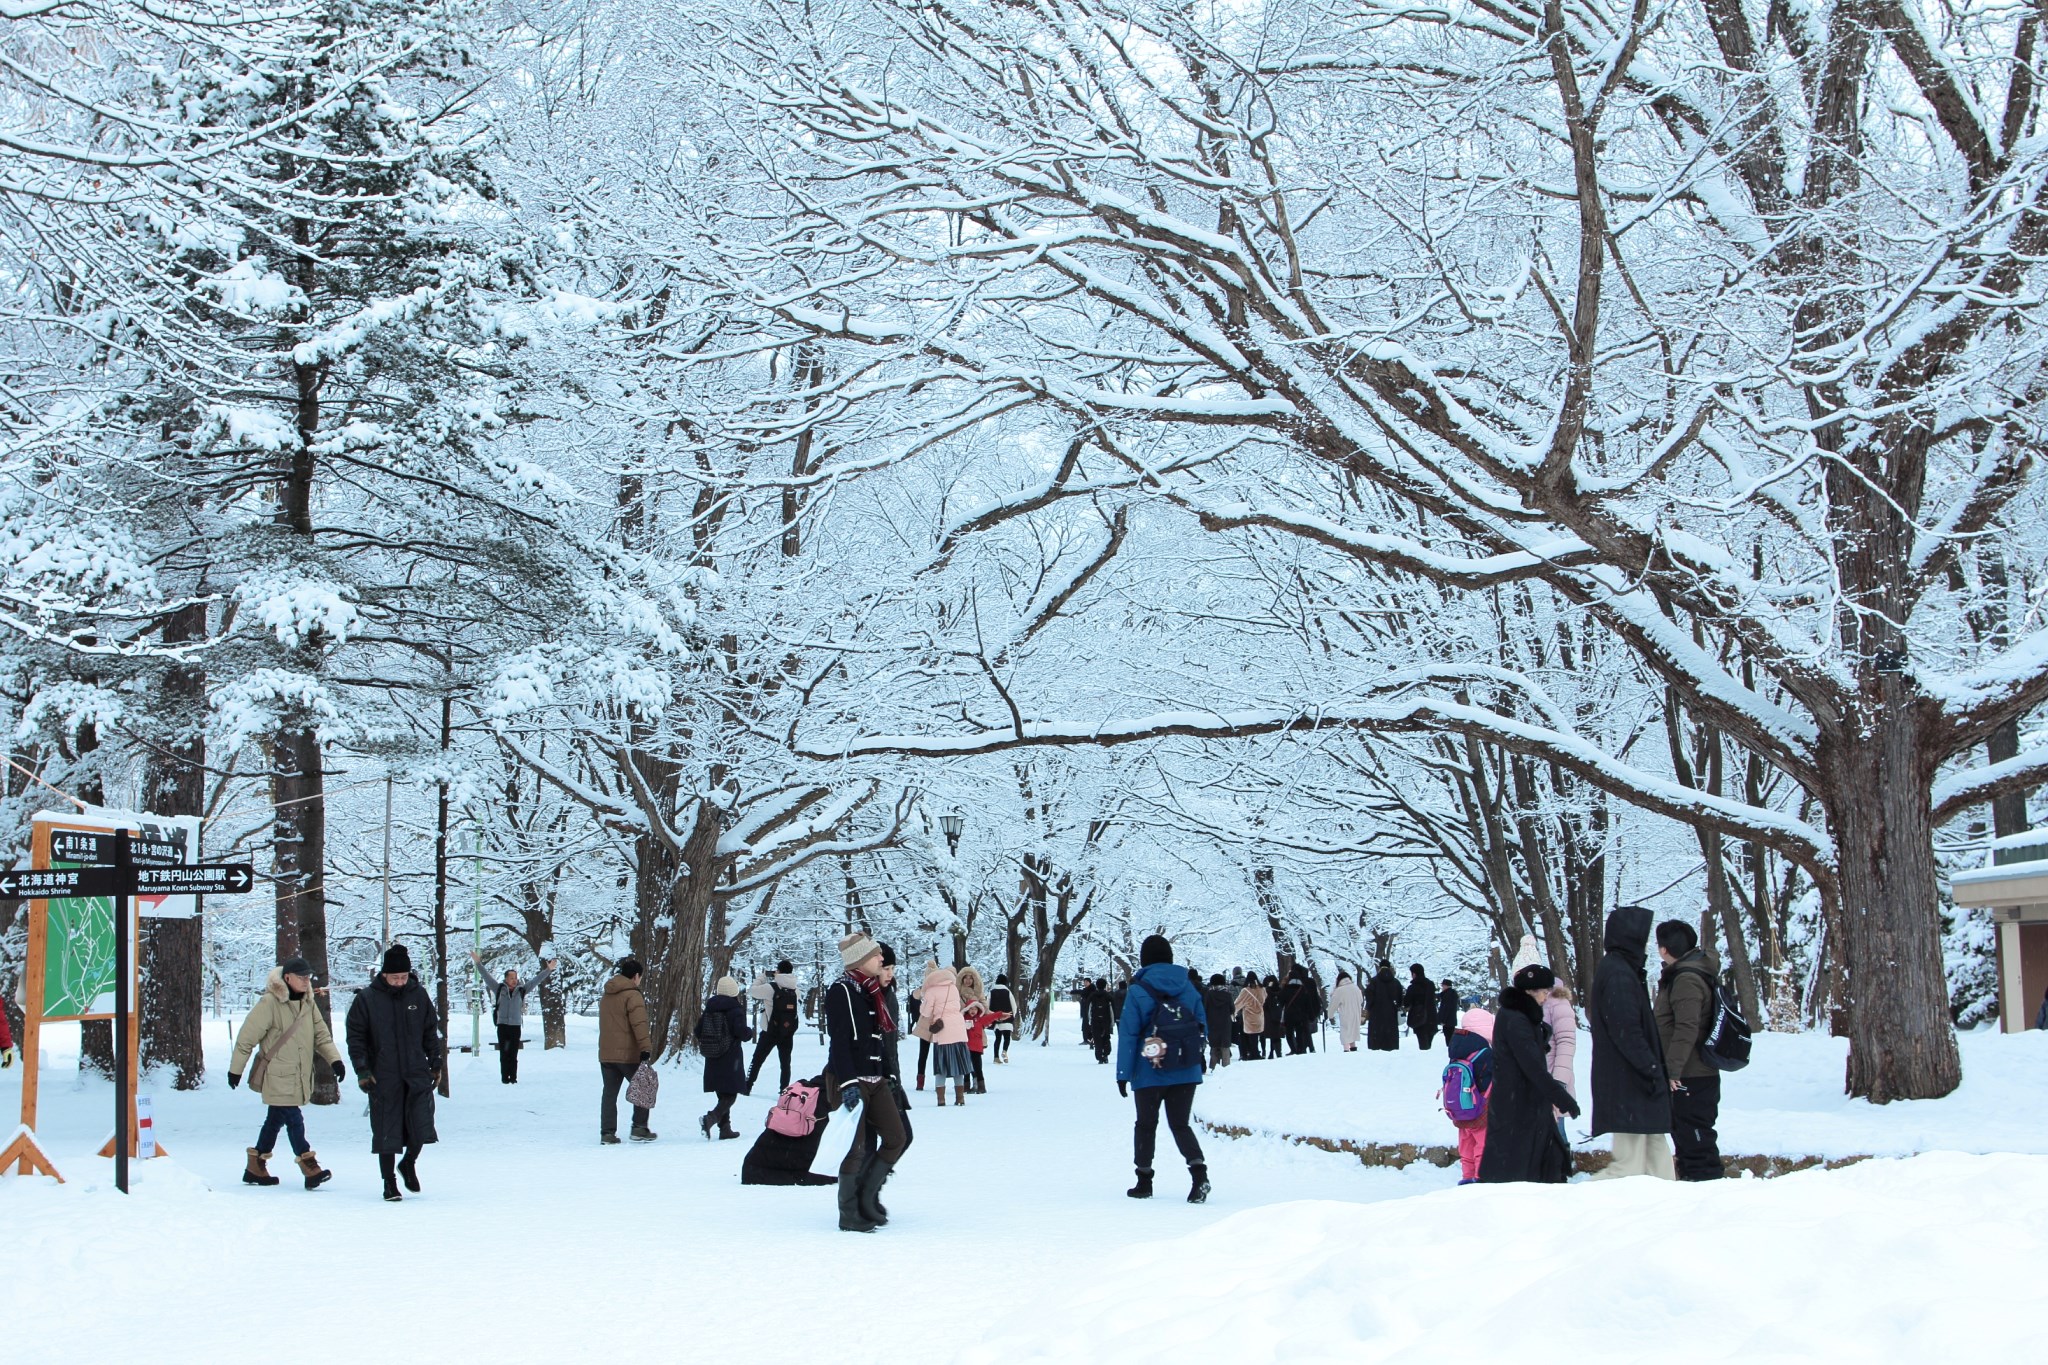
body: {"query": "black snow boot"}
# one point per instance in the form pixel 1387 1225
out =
pixel 1199 1192
pixel 1143 1189
pixel 644 1135
pixel 409 1171
pixel 391 1194
pixel 851 1219
pixel 872 1177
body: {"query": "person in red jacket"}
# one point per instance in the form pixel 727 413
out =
pixel 979 1021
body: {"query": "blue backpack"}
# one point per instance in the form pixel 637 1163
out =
pixel 1175 1041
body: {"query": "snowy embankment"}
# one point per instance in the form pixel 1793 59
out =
pixel 1009 1230
pixel 1787 1103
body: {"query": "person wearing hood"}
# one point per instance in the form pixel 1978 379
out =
pixel 943 1020
pixel 1383 1010
pixel 858 1024
pixel 1447 1011
pixel 1160 1044
pixel 726 1075
pixel 1631 1092
pixel 974 1010
pixel 508 1011
pixel 1275 1042
pixel 1251 1018
pixel 1004 1000
pixel 1347 1007
pixel 1304 1009
pixel 285 1025
pixel 1522 1140
pixel 623 1043
pixel 394 1039
pixel 1216 1007
pixel 777 993
pixel 1685 1010
pixel 1420 1002
pixel 1099 1013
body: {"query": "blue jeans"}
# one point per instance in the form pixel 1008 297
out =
pixel 287 1117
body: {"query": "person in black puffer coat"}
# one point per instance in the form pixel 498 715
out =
pixel 1522 1140
pixel 1447 1011
pixel 726 1074
pixel 1101 1016
pixel 1383 1011
pixel 1631 1095
pixel 394 1042
pixel 1218 1000
pixel 1420 998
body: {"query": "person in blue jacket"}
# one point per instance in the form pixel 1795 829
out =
pixel 1161 1038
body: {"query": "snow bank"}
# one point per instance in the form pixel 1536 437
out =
pixel 1825 1265
pixel 1787 1102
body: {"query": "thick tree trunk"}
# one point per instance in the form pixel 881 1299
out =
pixel 679 976
pixel 173 966
pixel 1901 1043
pixel 299 865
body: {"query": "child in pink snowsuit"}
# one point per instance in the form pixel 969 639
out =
pixel 1473 1043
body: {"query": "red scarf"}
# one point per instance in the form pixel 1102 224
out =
pixel 873 985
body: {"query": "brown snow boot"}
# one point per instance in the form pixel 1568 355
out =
pixel 959 1093
pixel 939 1094
pixel 309 1166
pixel 258 1173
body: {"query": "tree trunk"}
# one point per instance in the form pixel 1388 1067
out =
pixel 174 783
pixel 441 892
pixel 299 866
pixel 1902 1046
pixel 680 974
pixel 554 1015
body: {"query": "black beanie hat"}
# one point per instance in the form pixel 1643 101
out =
pixel 1535 977
pixel 295 966
pixel 888 957
pixel 1155 950
pixel 396 959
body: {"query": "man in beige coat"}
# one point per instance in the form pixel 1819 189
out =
pixel 285 1025
pixel 623 1042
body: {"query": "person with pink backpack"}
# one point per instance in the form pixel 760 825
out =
pixel 1467 1081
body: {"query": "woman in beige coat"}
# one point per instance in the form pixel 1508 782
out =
pixel 1251 1018
pixel 285 1024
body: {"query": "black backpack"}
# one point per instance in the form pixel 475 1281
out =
pixel 1176 1037
pixel 714 1035
pixel 782 1011
pixel 1724 1041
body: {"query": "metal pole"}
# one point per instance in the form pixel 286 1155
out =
pixel 387 860
pixel 124 1089
pixel 476 935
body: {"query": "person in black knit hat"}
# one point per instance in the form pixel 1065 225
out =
pixel 394 1040
pixel 1161 1048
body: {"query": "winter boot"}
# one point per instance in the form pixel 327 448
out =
pixel 920 1080
pixel 258 1173
pixel 391 1194
pixel 409 1172
pixel 850 1217
pixel 644 1134
pixel 939 1094
pixel 726 1132
pixel 960 1089
pixel 1143 1189
pixel 872 1177
pixel 309 1166
pixel 1199 1192
pixel 608 1139
pixel 704 1126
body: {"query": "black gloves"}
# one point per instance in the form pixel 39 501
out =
pixel 365 1082
pixel 340 1073
pixel 645 1055
pixel 234 1079
pixel 1570 1107
pixel 1124 1088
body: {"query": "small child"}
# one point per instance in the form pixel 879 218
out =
pixel 979 1021
pixel 1472 1044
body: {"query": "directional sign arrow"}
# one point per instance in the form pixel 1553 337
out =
pixel 62 883
pixel 196 879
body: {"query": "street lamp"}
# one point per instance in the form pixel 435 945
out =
pixel 952 822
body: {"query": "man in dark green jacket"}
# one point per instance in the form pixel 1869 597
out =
pixel 1685 1011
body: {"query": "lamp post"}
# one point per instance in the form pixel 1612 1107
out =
pixel 952 822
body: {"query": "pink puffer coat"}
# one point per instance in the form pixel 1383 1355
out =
pixel 939 1007
pixel 1564 1040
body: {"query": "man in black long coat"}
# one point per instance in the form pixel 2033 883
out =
pixel 1447 1012
pixel 1522 1140
pixel 394 1040
pixel 1631 1094
pixel 1420 998
pixel 1383 1010
pixel 1101 1014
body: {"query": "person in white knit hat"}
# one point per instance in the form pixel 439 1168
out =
pixel 858 1022
pixel 1559 1014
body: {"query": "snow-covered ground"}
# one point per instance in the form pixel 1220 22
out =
pixel 1010 1240
pixel 1787 1102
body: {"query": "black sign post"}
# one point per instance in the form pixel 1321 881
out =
pixel 122 881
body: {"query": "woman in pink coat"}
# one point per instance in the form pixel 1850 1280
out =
pixel 1564 1040
pixel 941 1018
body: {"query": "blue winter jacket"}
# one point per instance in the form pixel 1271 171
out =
pixel 1160 981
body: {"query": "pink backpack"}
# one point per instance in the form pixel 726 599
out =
pixel 796 1113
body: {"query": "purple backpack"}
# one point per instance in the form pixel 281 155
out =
pixel 1464 1100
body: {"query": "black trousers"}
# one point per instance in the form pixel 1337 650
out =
pixel 770 1043
pixel 508 1054
pixel 1179 1102
pixel 616 1075
pixel 720 1116
pixel 1694 1111
pixel 1424 1036
pixel 1102 1041
pixel 980 1081
pixel 924 1055
pixel 880 1136
pixel 1248 1046
pixel 1002 1044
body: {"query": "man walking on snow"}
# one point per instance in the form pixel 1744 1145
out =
pixel 1685 1010
pixel 777 994
pixel 1160 1042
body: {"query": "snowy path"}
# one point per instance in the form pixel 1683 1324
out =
pixel 1011 1239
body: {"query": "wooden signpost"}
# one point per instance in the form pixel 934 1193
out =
pixel 126 864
